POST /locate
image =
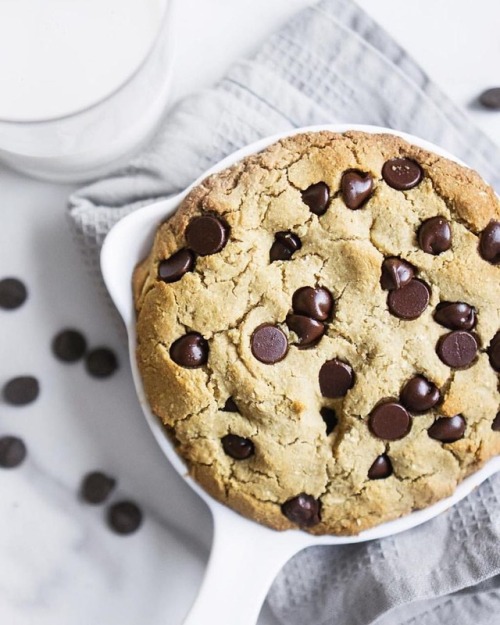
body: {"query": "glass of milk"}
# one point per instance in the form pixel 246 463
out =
pixel 83 83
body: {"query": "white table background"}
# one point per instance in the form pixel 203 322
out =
pixel 59 565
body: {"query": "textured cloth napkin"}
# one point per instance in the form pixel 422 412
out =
pixel 331 63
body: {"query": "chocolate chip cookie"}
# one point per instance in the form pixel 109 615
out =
pixel 318 327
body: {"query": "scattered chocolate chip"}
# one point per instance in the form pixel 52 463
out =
pixel 13 293
pixel 190 350
pixel 357 188
pixel 335 378
pixel 447 429
pixel 96 487
pixel 230 406
pixel 330 418
pixel 381 468
pixel 21 390
pixel 69 345
pixel 284 246
pixel 12 452
pixel 496 423
pixel 455 315
pixel 410 301
pixel 237 447
pixel 317 197
pixel 316 303
pixel 489 243
pixel 402 173
pixel 309 331
pixel 206 235
pixel 124 517
pixel 457 349
pixel 396 273
pixel 101 362
pixel 490 98
pixel 304 510
pixel 434 235
pixel 172 269
pixel 269 344
pixel 419 395
pixel 389 421
pixel 494 352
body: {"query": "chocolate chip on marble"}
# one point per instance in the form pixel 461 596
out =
pixel 336 378
pixel 434 235
pixel 269 344
pixel 457 349
pixel 69 345
pixel 494 352
pixel 237 447
pixel 303 510
pixel 207 234
pixel 230 405
pixel 13 293
pixel 173 269
pixel 409 301
pixel 402 174
pixel 21 390
pixel 455 315
pixel 389 421
pixel 357 188
pixel 309 331
pixel 489 243
pixel 447 429
pixel 330 418
pixel 317 197
pixel 496 423
pixel 101 362
pixel 12 452
pixel 190 350
pixel 419 395
pixel 396 273
pixel 490 98
pixel 284 246
pixel 381 468
pixel 124 517
pixel 96 487
pixel 316 303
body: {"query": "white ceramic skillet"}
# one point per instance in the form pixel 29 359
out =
pixel 245 556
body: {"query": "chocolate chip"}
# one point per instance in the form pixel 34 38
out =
pixel 447 429
pixel 402 173
pixel 389 421
pixel 455 315
pixel 494 352
pixel 237 447
pixel 396 273
pixel 309 331
pixel 269 344
pixel 12 452
pixel 489 243
pixel 230 406
pixel 172 269
pixel 69 345
pixel 190 350
pixel 96 487
pixel 206 235
pixel 21 390
pixel 434 235
pixel 330 418
pixel 457 349
pixel 496 423
pixel 410 301
pixel 490 98
pixel 284 246
pixel 304 510
pixel 101 362
pixel 317 197
pixel 381 468
pixel 13 293
pixel 419 395
pixel 315 303
pixel 124 517
pixel 335 378
pixel 357 188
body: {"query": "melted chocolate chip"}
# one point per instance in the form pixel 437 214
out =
pixel 457 349
pixel 230 406
pixel 304 510
pixel 495 426
pixel 13 293
pixel 396 273
pixel 21 390
pixel 124 517
pixel 284 246
pixel 317 197
pixel 389 421
pixel 12 452
pixel 69 345
pixel 335 378
pixel 237 447
pixel 330 418
pixel 448 429
pixel 494 352
pixel 455 315
pixel 490 98
pixel 96 487
pixel 419 395
pixel 172 269
pixel 409 301
pixel 101 362
pixel 309 331
pixel 434 235
pixel 357 188
pixel 269 344
pixel 381 468
pixel 190 350
pixel 316 303
pixel 489 243
pixel 206 235
pixel 402 173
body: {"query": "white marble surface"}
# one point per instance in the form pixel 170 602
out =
pixel 59 563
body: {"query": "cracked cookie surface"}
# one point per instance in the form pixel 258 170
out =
pixel 318 329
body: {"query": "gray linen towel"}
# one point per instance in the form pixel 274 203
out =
pixel 331 63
